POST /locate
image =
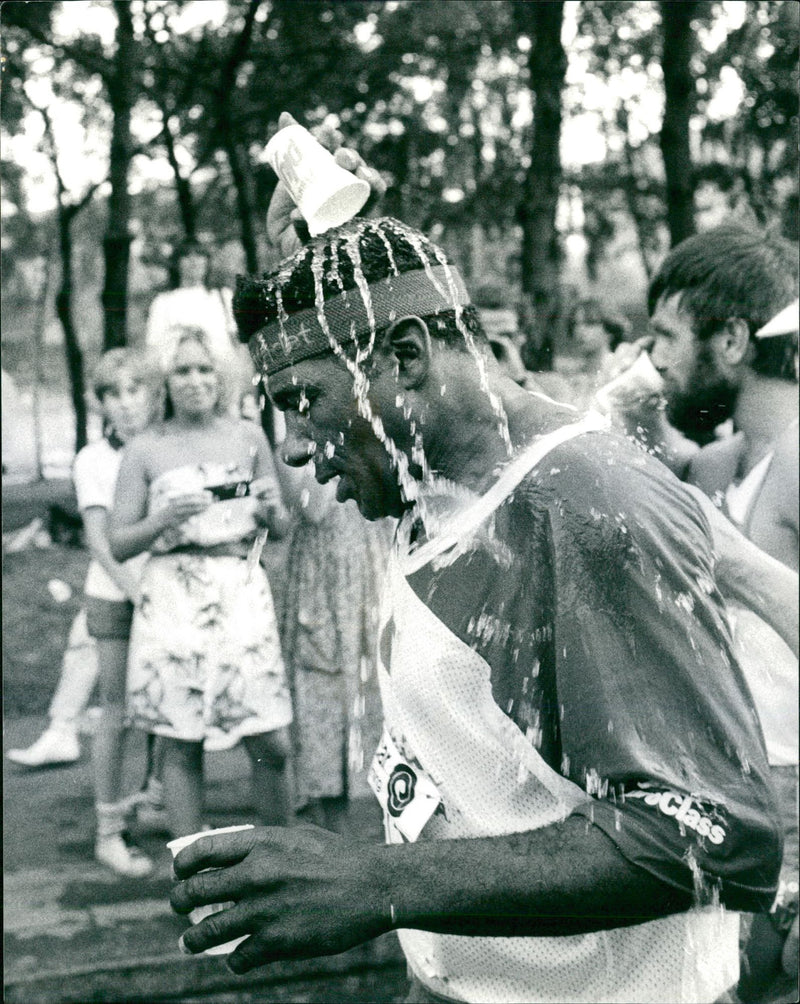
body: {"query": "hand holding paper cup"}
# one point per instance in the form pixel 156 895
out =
pixel 201 912
pixel 326 194
pixel 636 386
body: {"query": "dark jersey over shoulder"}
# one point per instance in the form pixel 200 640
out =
pixel 592 599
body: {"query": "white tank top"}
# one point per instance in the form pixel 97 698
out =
pixel 441 716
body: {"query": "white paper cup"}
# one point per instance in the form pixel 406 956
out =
pixel 201 912
pixel 325 193
pixel 632 387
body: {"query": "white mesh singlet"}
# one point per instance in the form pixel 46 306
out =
pixel 439 709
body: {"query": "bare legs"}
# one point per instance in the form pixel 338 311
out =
pixel 183 781
pixel 59 742
pixel 183 785
pixel 110 847
pixel 110 732
pixel 79 671
pixel 269 756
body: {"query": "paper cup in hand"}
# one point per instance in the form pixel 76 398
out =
pixel 633 387
pixel 325 193
pixel 201 912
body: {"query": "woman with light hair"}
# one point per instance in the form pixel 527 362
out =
pixel 199 492
pixel 192 302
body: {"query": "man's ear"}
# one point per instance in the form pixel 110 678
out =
pixel 733 340
pixel 408 341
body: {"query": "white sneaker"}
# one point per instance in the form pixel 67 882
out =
pixel 53 746
pixel 115 854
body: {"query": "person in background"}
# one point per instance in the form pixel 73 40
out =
pixel 328 623
pixel 724 316
pixel 205 670
pixel 501 325
pixel 60 743
pixel 127 386
pixel 191 303
pixel 593 334
pixel 69 713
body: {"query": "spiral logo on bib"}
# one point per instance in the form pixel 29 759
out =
pixel 400 789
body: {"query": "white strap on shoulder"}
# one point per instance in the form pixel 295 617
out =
pixel 467 521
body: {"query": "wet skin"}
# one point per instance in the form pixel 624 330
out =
pixel 323 424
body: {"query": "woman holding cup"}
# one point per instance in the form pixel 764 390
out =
pixel 199 492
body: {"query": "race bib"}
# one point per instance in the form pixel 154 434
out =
pixel 407 795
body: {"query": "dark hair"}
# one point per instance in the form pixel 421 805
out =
pixel 188 246
pixel 594 313
pixel 733 271
pixel 377 249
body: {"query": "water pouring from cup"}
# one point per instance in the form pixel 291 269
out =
pixel 326 194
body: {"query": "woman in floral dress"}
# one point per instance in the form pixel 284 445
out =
pixel 328 621
pixel 199 491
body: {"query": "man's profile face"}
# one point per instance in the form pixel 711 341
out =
pixel 323 424
pixel 699 394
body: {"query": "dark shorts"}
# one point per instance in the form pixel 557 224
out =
pixel 109 618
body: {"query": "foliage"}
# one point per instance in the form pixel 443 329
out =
pixel 436 95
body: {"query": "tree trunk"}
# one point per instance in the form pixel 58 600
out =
pixel 679 103
pixel 630 190
pixel 547 65
pixel 72 348
pixel 237 158
pixel 117 240
pixel 183 188
pixel 237 155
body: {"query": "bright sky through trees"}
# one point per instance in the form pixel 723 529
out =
pixel 83 149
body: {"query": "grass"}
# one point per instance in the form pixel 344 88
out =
pixel 35 626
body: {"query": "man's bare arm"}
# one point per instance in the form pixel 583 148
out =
pixel 752 578
pixel 306 892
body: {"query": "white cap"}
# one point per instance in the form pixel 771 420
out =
pixel 785 322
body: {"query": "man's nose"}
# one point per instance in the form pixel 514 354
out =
pixel 298 447
pixel 657 356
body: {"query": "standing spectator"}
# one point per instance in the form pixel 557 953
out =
pixel 328 621
pixel 128 389
pixel 190 303
pixel 205 667
pixel 711 304
pixel 593 334
pixel 59 743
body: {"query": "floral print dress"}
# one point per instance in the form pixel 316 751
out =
pixel 328 622
pixel 204 661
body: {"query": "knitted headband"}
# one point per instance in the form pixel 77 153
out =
pixel 301 336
